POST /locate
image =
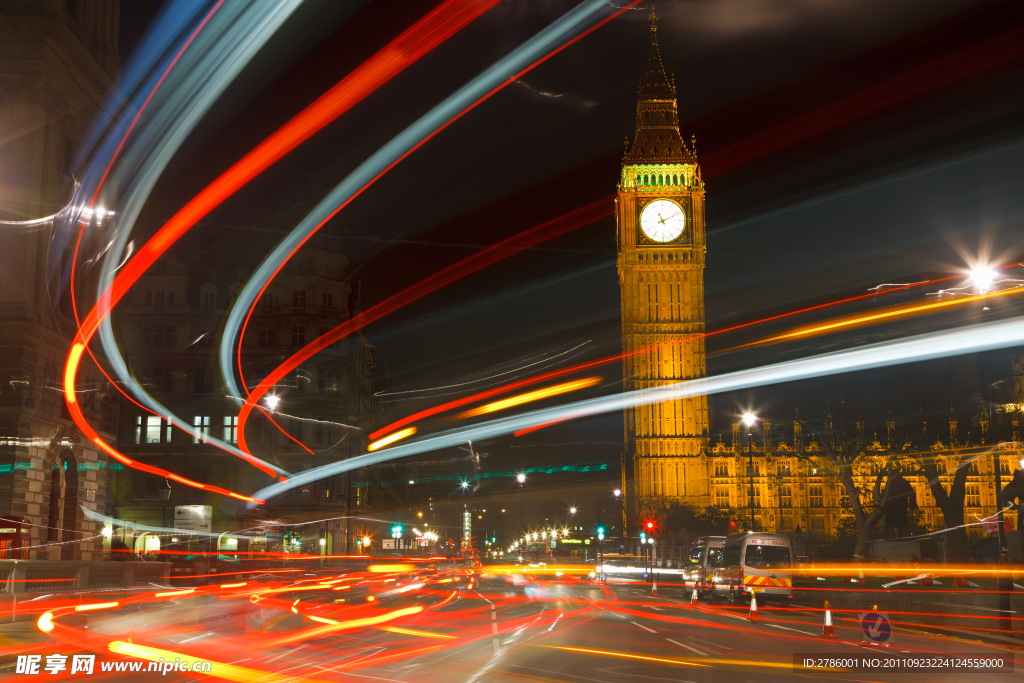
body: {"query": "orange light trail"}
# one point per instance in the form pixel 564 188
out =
pixel 391 438
pixel 884 315
pixel 530 397
pixel 433 29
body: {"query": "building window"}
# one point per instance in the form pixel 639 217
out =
pixel 230 428
pixel 266 338
pixel 147 335
pixel 199 381
pixel 787 496
pixel 757 496
pixel 328 300
pixel 149 298
pixel 267 300
pixel 298 335
pixel 721 469
pixel 295 429
pixel 817 499
pixel 299 300
pixel 153 428
pixel 973 498
pixel 209 300
pixel 138 429
pixel 202 428
pixel 158 299
pixel 782 470
pixel 161 267
pixel 326 380
pixel 322 432
pixel 722 497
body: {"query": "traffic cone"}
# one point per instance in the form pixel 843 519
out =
pixel 654 590
pixel 693 598
pixel 753 616
pixel 828 631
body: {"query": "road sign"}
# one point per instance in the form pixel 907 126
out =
pixel 876 629
pixel 193 517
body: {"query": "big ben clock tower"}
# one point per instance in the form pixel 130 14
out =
pixel 660 224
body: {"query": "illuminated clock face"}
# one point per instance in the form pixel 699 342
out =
pixel 662 220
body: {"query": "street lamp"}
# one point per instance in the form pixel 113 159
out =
pixel 522 480
pixel 749 419
pixel 983 278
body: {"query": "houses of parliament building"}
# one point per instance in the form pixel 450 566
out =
pixel 669 453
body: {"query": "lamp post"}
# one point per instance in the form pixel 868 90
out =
pixel 749 419
pixel 522 480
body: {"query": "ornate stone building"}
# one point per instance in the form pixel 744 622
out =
pixel 57 64
pixel 660 226
pixel 794 485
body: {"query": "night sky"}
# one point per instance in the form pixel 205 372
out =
pixel 902 183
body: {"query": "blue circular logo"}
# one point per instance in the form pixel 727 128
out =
pixel 876 627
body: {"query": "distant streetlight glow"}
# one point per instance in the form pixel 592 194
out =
pixel 983 278
pixel 617 493
pixel 572 510
pixel 521 478
pixel 749 419
pixel 272 402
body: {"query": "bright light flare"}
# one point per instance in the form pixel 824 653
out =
pixel 45 622
pixel 749 419
pixel 983 278
pixel 391 438
pixel 530 397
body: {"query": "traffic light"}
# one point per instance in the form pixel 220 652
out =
pixel 396 530
pixel 732 526
pixel 650 525
pixel 643 537
pixel 600 533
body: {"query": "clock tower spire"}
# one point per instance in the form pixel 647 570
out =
pixel 660 224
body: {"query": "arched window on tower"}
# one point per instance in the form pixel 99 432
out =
pixel 661 179
pixel 675 179
pixel 645 180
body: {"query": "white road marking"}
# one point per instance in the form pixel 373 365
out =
pixel 786 628
pixel 693 649
pixel 643 627
pixel 660 609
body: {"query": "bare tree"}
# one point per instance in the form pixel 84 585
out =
pixel 950 502
pixel 839 458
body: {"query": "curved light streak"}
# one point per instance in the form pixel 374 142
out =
pixel 530 397
pixel 924 347
pixel 557 36
pixel 205 76
pixel 433 29
pixel 466 400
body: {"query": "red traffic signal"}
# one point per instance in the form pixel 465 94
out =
pixel 650 525
pixel 732 525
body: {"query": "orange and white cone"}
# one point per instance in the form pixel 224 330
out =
pixel 693 598
pixel 753 616
pixel 828 631
pixel 654 590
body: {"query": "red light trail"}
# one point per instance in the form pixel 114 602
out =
pixel 446 19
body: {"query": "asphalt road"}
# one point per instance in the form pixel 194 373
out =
pixel 541 631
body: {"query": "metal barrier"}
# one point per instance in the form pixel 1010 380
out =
pixel 35 577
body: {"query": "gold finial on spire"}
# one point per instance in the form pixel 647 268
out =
pixel 653 19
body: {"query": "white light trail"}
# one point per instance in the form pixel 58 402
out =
pixel 924 347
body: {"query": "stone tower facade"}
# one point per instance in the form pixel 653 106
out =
pixel 661 247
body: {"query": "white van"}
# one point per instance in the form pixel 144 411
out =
pixel 705 553
pixel 755 563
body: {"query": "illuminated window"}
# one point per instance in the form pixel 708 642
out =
pixel 298 335
pixel 138 429
pixel 721 469
pixel 153 429
pixel 202 427
pixel 675 179
pixel 722 496
pixel 645 180
pixel 973 498
pixel 817 499
pixel 230 428
pixel 787 496
pixel 757 496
